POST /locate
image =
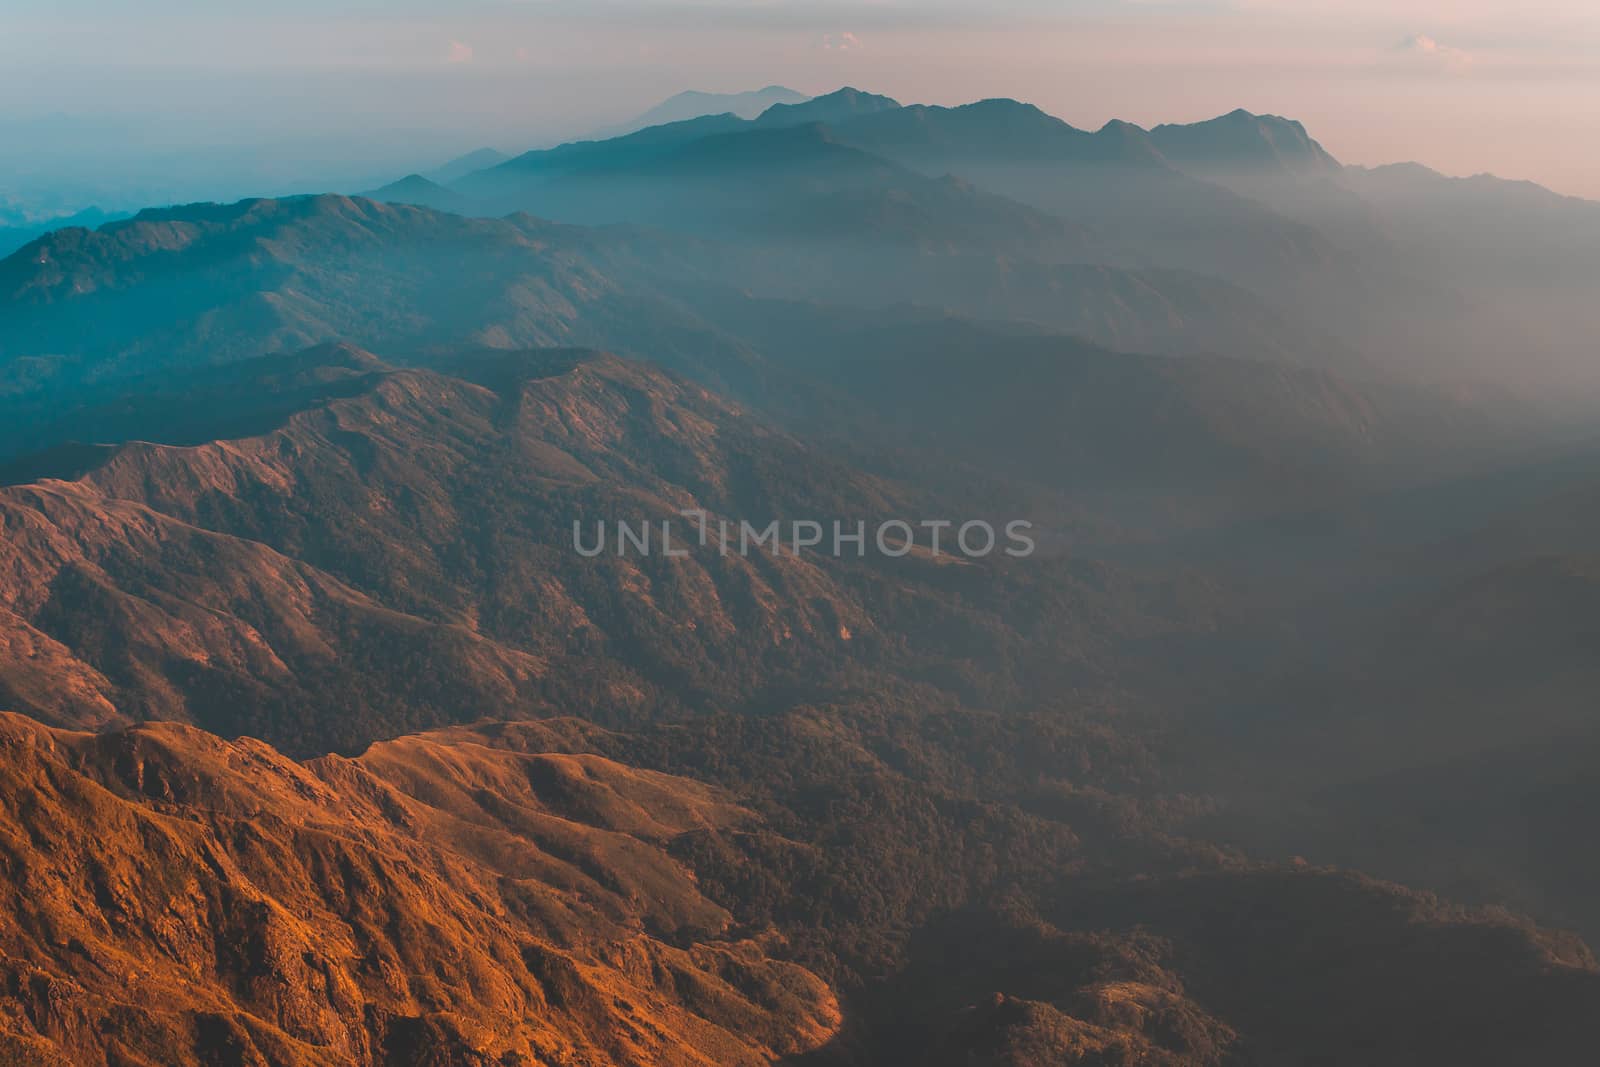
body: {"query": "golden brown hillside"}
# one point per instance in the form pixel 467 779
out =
pixel 172 898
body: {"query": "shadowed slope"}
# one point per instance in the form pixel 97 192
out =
pixel 409 550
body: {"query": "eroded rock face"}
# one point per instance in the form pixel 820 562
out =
pixel 173 897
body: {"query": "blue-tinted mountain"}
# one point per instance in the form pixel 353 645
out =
pixel 471 163
pixel 508 180
pixel 836 107
pixel 1115 179
pixel 417 190
pixel 993 131
pixel 694 104
pixel 1513 233
pixel 13 236
pixel 204 284
pixel 1242 142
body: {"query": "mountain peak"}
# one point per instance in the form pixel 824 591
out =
pixel 1244 141
pixel 851 93
pixel 1001 105
pixel 1013 113
pixel 1120 128
pixel 994 129
pixel 420 191
pixel 837 106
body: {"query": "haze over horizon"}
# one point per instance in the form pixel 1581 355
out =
pixel 352 90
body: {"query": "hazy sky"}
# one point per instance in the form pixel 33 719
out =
pixel 349 87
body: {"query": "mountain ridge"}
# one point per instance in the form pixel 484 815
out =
pixel 347 911
pixel 692 104
pixel 1241 140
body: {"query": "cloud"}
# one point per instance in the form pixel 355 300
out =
pixel 1433 51
pixel 841 42
pixel 458 53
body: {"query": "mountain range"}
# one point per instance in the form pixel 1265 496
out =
pixel 322 740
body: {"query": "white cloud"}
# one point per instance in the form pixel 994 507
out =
pixel 458 53
pixel 841 42
pixel 1431 50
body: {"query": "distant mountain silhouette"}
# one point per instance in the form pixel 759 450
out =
pixel 471 163
pixel 1509 232
pixel 1114 181
pixel 835 107
pixel 985 142
pixel 832 223
pixel 19 233
pixel 693 104
pixel 417 190
pixel 1240 141
pixel 993 131
pixel 618 151
pixel 218 283
pixel 508 179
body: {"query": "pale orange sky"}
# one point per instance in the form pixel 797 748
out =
pixel 1464 86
